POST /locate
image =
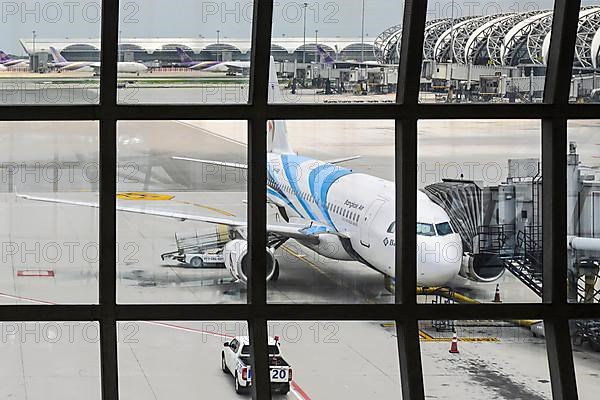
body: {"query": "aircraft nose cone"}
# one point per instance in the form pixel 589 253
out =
pixel 438 259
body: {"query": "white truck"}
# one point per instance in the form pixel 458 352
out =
pixel 235 360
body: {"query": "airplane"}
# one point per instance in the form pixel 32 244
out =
pixel 325 58
pixel 8 61
pixel 63 65
pixel 212 66
pixel 336 212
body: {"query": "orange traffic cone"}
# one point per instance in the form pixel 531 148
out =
pixel 497 295
pixel 454 345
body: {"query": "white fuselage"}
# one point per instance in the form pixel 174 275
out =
pixel 361 208
pixel 84 66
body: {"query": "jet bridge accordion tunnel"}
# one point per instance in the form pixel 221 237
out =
pixel 482 245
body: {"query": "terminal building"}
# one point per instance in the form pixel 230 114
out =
pixel 162 51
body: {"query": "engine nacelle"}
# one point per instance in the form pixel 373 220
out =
pixel 482 267
pixel 237 262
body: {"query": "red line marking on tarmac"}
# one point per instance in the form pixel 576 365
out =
pixel 10 296
pixel 296 389
pixel 36 272
pixel 184 328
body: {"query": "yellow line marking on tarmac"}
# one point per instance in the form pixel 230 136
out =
pixel 461 298
pixel 217 210
pixel 143 196
pixel 425 336
pixel 160 196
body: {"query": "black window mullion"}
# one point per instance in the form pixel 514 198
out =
pixel 407 94
pixel 257 198
pixel 107 157
pixel 554 201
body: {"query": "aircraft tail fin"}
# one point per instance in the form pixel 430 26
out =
pixel 324 56
pixel 277 139
pixel 183 55
pixel 4 56
pixel 56 56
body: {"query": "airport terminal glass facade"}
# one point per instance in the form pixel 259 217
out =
pixel 325 272
pixel 484 52
pixel 151 318
pixel 164 254
pixel 487 176
pixel 47 58
pixel 189 53
pixel 330 48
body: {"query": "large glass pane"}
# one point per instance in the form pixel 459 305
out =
pixel 583 212
pixel 180 359
pixel 50 52
pixel 339 359
pixel 331 211
pixel 49 243
pixel 181 211
pixel 188 52
pixel 487 360
pixel 491 52
pixel 586 356
pixel 331 52
pixel 50 360
pixel 584 82
pixel 479 211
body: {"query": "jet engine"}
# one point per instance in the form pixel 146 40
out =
pixel 237 261
pixel 482 267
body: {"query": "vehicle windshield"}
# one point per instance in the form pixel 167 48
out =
pixel 443 229
pixel 273 351
pixel 425 229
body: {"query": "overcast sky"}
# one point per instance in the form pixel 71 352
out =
pixel 190 18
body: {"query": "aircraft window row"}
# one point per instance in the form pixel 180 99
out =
pixel 354 217
pixel 425 229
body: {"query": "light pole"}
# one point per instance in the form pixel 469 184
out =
pixel 33 58
pixel 362 34
pixel 305 5
pixel 218 48
pixel 316 44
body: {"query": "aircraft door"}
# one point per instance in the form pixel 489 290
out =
pixel 367 221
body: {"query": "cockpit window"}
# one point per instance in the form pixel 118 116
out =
pixel 425 229
pixel 443 229
pixel 392 227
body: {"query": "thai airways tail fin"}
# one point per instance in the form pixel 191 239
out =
pixel 183 55
pixel 325 57
pixel 4 56
pixel 56 56
pixel 277 139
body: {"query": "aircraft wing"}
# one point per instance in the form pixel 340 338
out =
pixel 239 66
pixel 341 160
pixel 293 230
pixel 212 162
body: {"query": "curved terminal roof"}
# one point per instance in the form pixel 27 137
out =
pixel 500 39
pixel 197 45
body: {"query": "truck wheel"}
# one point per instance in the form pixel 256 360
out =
pixel 224 364
pixel 238 388
pixel 196 262
pixel 275 276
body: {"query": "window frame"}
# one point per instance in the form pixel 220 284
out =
pixel 554 113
